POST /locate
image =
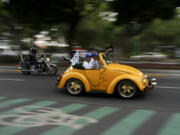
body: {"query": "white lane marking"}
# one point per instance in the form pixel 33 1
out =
pixel 6 79
pixel 167 87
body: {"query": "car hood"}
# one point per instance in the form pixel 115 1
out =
pixel 124 68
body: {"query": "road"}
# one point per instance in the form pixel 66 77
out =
pixel 33 105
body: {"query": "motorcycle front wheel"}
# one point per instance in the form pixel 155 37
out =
pixel 53 70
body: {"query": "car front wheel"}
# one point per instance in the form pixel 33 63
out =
pixel 75 86
pixel 126 89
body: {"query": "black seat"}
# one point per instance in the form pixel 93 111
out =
pixel 79 66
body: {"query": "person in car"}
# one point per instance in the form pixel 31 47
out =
pixel 86 63
pixel 94 60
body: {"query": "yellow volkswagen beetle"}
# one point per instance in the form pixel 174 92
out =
pixel 110 77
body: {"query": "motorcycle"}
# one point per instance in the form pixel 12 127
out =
pixel 43 65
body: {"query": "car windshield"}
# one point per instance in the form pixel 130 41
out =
pixel 107 59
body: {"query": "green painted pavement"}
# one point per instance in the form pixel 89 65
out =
pixel 97 114
pixel 2 97
pixel 9 130
pixel 72 107
pixel 130 123
pixel 41 103
pixel 67 109
pixel 172 127
pixel 101 112
pixel 12 102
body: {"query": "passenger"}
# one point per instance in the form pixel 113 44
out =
pixel 86 63
pixel 94 60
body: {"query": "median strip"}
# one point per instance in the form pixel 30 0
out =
pixel 18 71
pixel 155 75
pixel 167 87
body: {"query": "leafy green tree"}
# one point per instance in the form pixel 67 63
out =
pixel 161 32
pixel 138 15
pixel 143 11
pixel 40 14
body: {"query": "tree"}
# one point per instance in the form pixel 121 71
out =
pixel 137 15
pixel 143 11
pixel 40 14
pixel 161 32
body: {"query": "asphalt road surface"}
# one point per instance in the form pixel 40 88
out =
pixel 32 105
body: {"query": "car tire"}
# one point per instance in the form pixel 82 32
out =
pixel 75 87
pixel 126 89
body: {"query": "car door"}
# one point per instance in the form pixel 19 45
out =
pixel 93 76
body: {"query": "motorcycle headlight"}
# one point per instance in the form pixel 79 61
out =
pixel 48 59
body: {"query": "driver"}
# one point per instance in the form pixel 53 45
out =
pixel 32 57
pixel 86 63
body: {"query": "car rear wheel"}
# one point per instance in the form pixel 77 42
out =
pixel 126 89
pixel 75 86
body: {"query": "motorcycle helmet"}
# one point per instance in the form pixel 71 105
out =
pixel 33 50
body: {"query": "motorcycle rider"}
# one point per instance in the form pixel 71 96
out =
pixel 32 57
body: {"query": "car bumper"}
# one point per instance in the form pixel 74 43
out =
pixel 152 82
pixel 59 77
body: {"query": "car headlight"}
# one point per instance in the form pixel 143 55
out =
pixel 143 81
pixel 145 75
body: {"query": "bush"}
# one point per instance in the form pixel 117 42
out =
pixel 9 59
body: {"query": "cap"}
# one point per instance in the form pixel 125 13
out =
pixel 94 54
pixel 87 55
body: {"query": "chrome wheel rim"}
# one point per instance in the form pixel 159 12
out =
pixel 74 87
pixel 127 90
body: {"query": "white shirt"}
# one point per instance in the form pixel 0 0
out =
pixel 94 63
pixel 87 65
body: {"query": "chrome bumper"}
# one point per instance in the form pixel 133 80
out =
pixel 152 82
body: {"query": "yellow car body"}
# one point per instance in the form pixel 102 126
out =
pixel 106 78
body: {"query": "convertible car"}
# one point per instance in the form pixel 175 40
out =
pixel 110 78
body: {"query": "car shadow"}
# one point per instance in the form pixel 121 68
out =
pixel 100 95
